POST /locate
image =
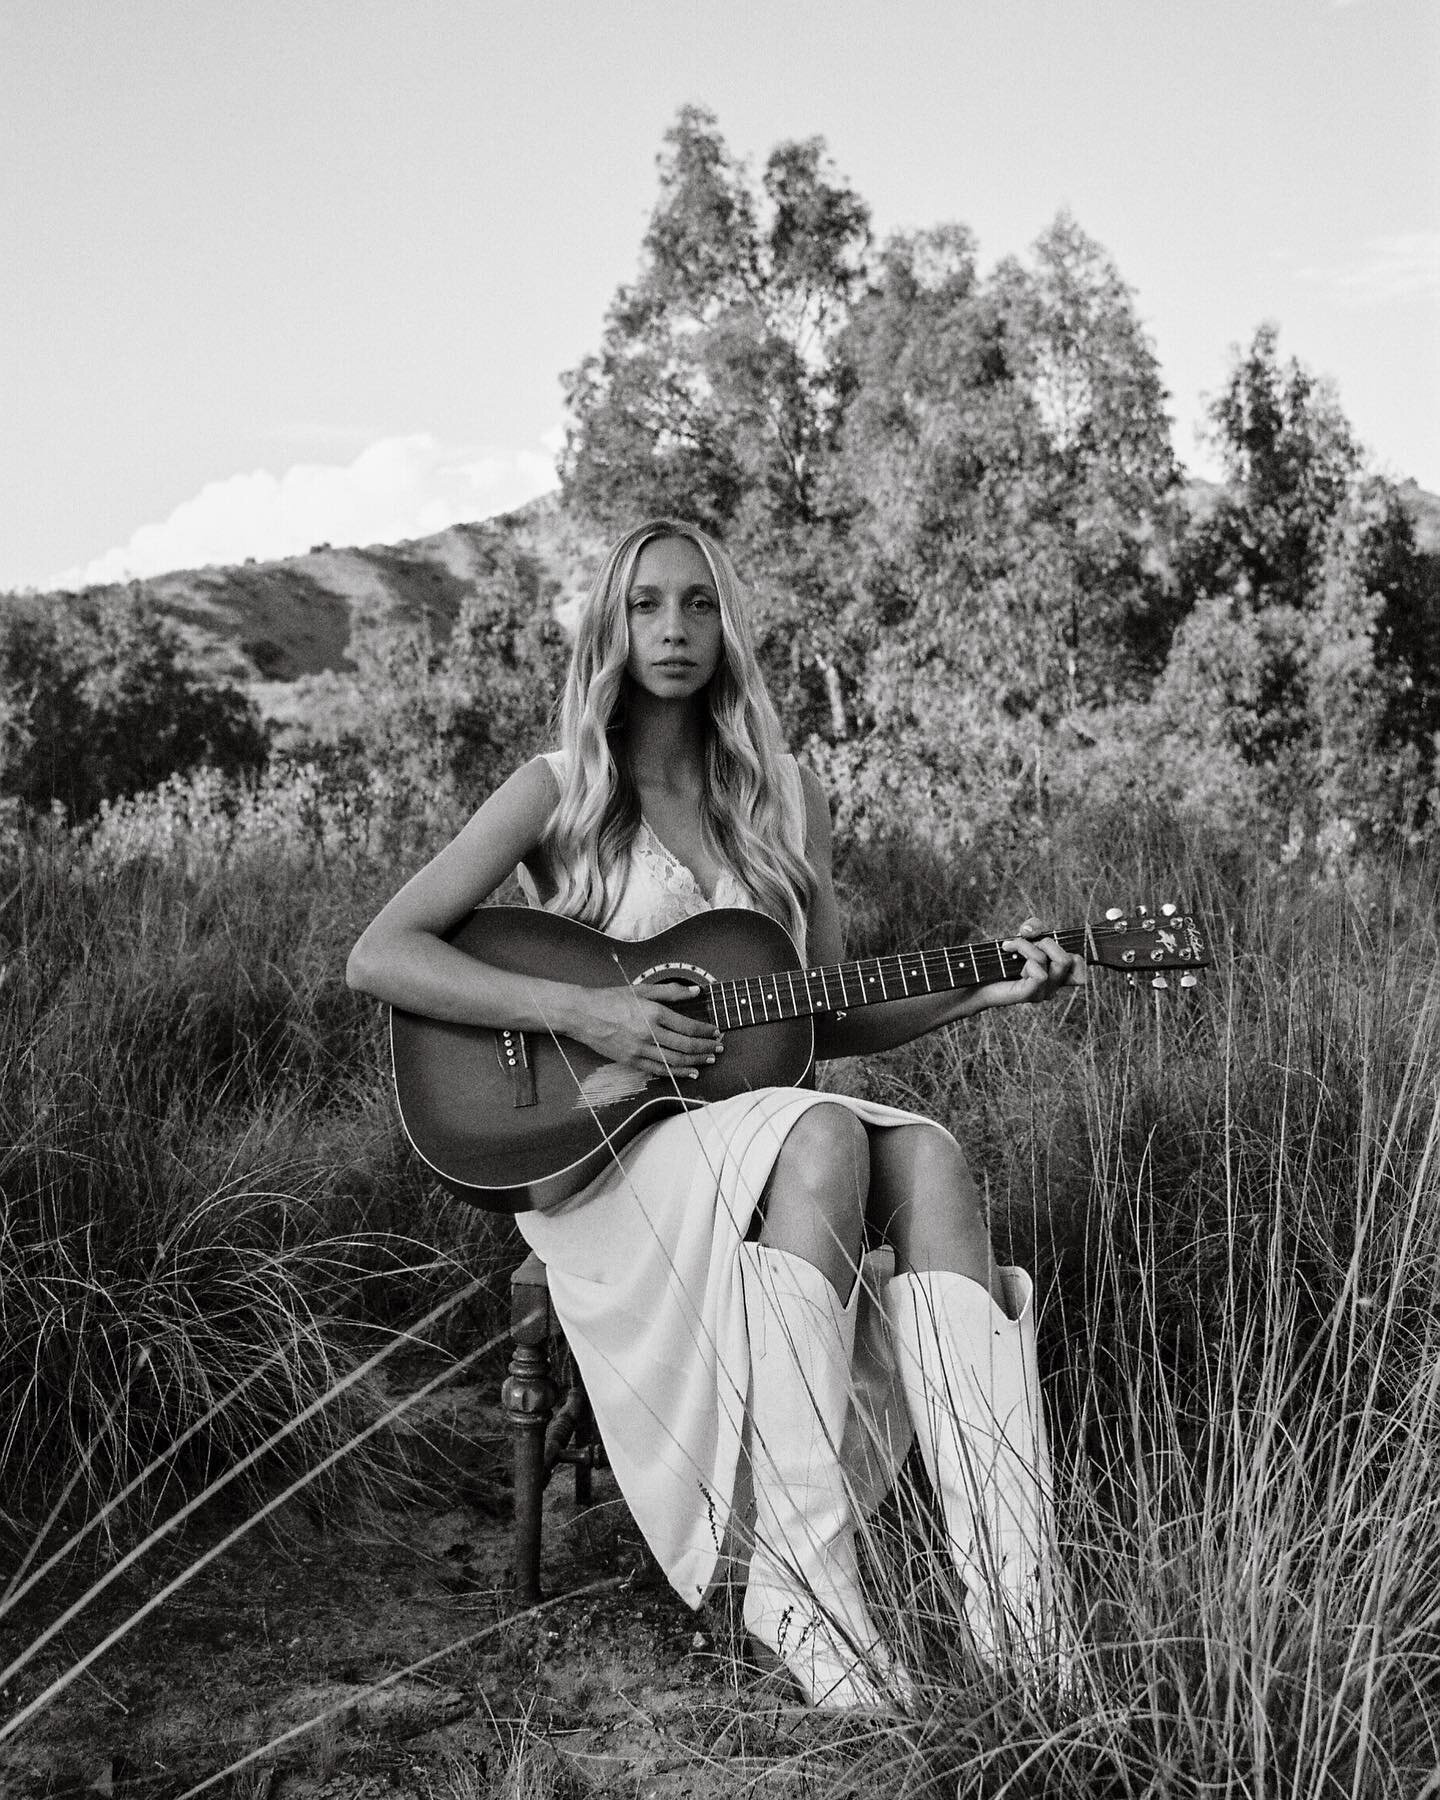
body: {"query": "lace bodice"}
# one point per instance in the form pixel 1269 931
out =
pixel 659 890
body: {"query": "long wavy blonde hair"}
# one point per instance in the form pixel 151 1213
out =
pixel 747 818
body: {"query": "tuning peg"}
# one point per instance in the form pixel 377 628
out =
pixel 1189 979
pixel 1168 910
pixel 1160 982
pixel 1132 979
pixel 1113 913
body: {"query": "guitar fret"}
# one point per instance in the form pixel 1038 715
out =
pixel 761 999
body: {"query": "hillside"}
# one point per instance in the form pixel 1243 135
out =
pixel 273 621
pixel 268 623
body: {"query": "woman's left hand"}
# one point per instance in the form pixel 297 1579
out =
pixel 1048 968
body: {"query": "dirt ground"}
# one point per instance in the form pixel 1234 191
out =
pixel 391 1646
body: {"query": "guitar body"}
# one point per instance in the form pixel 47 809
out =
pixel 510 1120
pixel 513 1120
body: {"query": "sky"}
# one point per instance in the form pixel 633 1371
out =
pixel 282 272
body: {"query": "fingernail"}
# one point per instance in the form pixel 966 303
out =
pixel 709 1059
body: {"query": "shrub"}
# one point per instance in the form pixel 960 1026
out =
pixel 98 698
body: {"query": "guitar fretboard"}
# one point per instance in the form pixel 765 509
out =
pixel 839 987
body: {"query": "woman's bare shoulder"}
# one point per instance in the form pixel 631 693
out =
pixel 502 833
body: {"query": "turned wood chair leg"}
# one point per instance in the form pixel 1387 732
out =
pixel 586 1440
pixel 528 1397
pixel 543 1434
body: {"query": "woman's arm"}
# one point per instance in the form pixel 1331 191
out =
pixel 401 957
pixel 889 1023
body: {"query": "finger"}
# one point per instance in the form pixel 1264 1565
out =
pixel 1063 963
pixel 661 1062
pixel 1037 963
pixel 661 999
pixel 687 1027
pixel 677 1067
pixel 669 992
pixel 1035 975
pixel 686 1050
pixel 680 1073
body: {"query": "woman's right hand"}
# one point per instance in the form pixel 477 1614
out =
pixel 639 1028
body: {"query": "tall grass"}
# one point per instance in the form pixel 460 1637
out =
pixel 201 1191
pixel 1229 1199
pixel 1232 1199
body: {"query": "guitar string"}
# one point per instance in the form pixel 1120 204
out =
pixel 758 998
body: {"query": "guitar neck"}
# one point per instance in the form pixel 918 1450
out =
pixel 841 987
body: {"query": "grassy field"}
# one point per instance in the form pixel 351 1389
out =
pixel 214 1254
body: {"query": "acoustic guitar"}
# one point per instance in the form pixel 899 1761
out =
pixel 509 1120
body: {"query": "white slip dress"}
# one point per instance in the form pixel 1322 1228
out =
pixel 644 1275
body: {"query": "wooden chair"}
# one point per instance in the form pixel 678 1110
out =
pixel 544 1433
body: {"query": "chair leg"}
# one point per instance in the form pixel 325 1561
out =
pixel 528 1397
pixel 585 1438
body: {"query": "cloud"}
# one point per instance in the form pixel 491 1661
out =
pixel 1388 268
pixel 396 487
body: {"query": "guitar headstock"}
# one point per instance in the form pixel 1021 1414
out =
pixel 1148 943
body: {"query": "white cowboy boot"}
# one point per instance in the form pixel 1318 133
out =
pixel 803 1599
pixel 972 1387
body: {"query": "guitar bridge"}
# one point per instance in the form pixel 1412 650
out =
pixel 514 1055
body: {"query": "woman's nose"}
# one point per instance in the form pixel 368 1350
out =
pixel 674 623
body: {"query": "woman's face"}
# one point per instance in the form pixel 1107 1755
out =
pixel 673 612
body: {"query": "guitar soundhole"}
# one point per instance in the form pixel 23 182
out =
pixel 688 972
pixel 676 971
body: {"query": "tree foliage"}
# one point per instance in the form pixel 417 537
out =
pixel 99 698
pixel 1007 467
pixel 448 711
pixel 713 395
pixel 931 481
pixel 1313 647
pixel 1289 457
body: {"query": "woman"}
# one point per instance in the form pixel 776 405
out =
pixel 708 1281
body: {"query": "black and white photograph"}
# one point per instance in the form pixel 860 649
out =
pixel 719 900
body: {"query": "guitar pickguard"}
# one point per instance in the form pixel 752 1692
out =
pixel 608 1085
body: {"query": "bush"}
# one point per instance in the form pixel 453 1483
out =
pixel 99 698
